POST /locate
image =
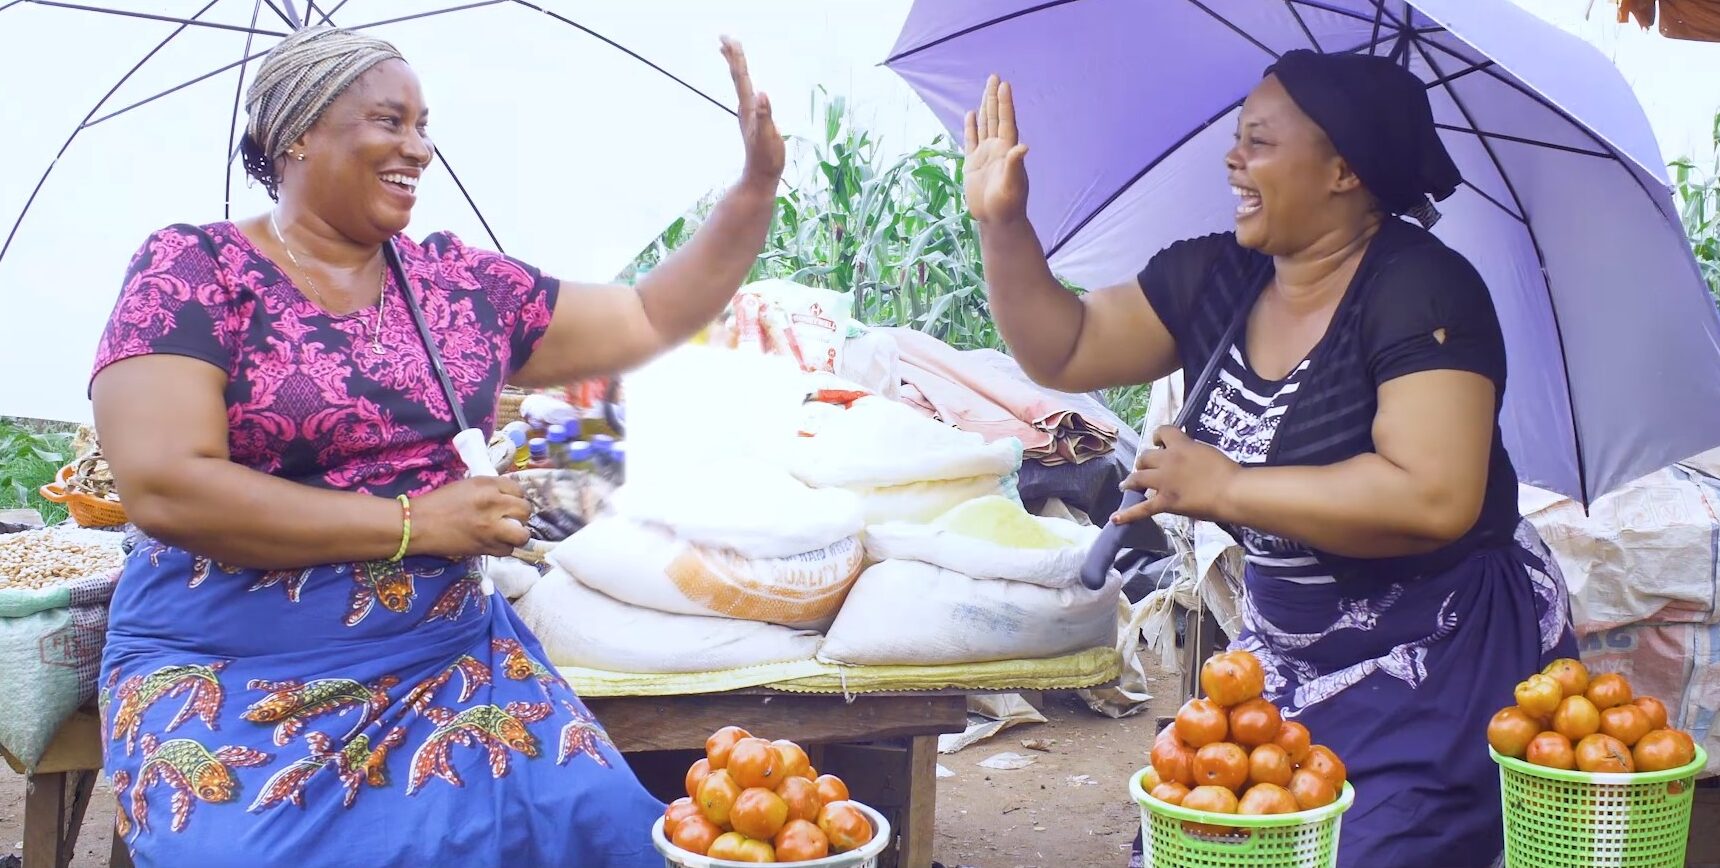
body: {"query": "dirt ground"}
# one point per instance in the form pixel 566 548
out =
pixel 1070 807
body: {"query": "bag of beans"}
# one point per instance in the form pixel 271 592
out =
pixel 55 585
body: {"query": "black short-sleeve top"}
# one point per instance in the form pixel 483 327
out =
pixel 1414 305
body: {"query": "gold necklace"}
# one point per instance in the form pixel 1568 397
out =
pixel 381 298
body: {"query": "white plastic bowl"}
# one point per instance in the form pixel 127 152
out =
pixel 865 857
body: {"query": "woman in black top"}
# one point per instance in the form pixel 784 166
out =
pixel 1348 438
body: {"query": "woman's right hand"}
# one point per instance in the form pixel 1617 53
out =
pixel 484 515
pixel 996 179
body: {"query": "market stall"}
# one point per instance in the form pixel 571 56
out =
pixel 837 535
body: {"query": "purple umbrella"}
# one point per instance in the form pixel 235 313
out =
pixel 1129 106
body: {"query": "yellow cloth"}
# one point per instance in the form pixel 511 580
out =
pixel 1073 671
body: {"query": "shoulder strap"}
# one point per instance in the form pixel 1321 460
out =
pixel 1146 535
pixel 453 398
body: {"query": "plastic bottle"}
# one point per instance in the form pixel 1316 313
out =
pixel 558 437
pixel 539 451
pixel 517 433
pixel 618 462
pixel 580 456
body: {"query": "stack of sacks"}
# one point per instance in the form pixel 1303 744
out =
pixel 903 466
pixel 1643 569
pixel 986 581
pixel 737 565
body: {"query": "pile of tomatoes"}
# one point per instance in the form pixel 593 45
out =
pixel 752 800
pixel 1565 719
pixel 1233 753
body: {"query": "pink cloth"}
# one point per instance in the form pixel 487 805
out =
pixel 984 391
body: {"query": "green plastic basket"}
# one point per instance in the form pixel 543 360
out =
pixel 1566 819
pixel 1306 839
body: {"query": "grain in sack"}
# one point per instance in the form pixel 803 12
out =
pixel 581 627
pixel 647 565
pixel 910 613
pixel 55 585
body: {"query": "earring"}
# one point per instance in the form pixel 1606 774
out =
pixel 300 156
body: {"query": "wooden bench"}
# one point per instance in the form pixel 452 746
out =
pixel 884 746
pixel 58 793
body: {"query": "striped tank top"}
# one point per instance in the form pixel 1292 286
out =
pixel 1241 419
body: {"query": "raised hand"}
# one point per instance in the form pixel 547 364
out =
pixel 996 179
pixel 764 148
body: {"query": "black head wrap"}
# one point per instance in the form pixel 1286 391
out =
pixel 1377 115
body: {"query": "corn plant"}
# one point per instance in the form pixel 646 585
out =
pixel 30 455
pixel 1699 192
pixel 895 234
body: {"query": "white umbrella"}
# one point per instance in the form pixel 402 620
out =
pixel 560 143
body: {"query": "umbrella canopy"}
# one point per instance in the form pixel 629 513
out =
pixel 1129 107
pixel 564 144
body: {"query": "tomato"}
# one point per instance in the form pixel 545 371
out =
pixel 696 775
pixel 1221 765
pixel 1603 753
pixel 1576 719
pixel 1552 750
pixel 1325 763
pixel 721 742
pixel 717 796
pixel 1295 740
pixel 845 826
pixel 801 796
pixel 1267 799
pixel 756 851
pixel 1662 749
pixel 801 841
pixel 728 846
pixel 1149 779
pixel 1269 764
pixel 679 810
pixel 1311 790
pixel 1627 723
pixel 1218 800
pixel 1510 730
pixel 1654 708
pixel 754 763
pixel 830 788
pixel 1232 677
pixel 695 834
pixel 1254 723
pixel 1608 690
pixel 1173 760
pixel 1538 694
pixel 792 760
pixel 758 813
pixel 1572 675
pixel 1169 792
pixel 1201 722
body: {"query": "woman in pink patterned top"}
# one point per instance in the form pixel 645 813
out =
pixel 293 670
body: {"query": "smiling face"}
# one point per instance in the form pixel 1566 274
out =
pixel 365 155
pixel 1292 188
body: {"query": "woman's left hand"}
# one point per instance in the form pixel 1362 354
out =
pixel 764 148
pixel 1183 476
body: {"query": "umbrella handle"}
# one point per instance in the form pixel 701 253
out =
pixel 1142 535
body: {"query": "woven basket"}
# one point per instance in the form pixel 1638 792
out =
pixel 87 511
pixel 508 406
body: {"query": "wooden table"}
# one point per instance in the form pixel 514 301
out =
pixel 58 793
pixel 884 746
